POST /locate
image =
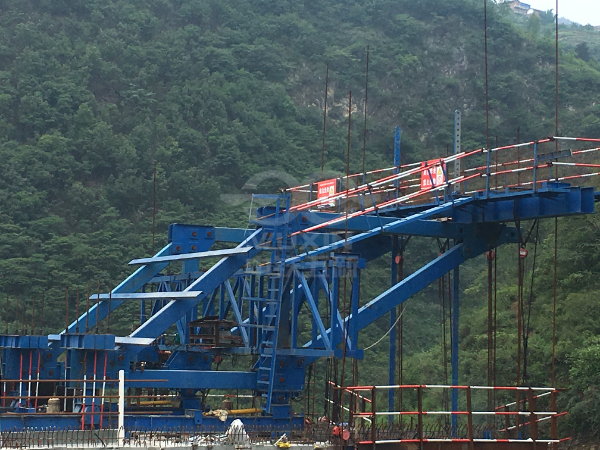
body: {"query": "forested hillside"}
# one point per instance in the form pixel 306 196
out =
pixel 94 94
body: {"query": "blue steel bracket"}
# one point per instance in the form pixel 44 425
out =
pixel 88 341
pixel 486 236
pixel 190 238
pixel 29 342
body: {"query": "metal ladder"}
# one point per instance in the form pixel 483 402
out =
pixel 279 242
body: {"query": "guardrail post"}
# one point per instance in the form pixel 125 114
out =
pixel 553 424
pixel 373 416
pixel 517 417
pixel 487 173
pixel 535 162
pixel 533 426
pixel 470 418
pixel 420 416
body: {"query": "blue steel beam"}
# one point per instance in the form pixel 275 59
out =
pixel 426 228
pixel 552 199
pixel 393 227
pixel 147 295
pixel 187 256
pixel 192 379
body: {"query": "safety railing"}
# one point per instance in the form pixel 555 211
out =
pixel 511 168
pixel 532 417
pixel 96 403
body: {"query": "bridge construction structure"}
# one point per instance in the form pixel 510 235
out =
pixel 285 293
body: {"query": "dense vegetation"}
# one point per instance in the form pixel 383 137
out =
pixel 95 93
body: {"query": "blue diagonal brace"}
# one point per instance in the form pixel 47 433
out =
pixel 236 312
pixel 340 322
pixel 402 291
pixel 314 309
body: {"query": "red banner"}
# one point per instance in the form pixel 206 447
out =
pixel 326 188
pixel 432 172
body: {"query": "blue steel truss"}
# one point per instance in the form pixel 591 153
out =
pixel 272 285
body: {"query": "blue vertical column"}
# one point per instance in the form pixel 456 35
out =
pixel 392 335
pixel 455 323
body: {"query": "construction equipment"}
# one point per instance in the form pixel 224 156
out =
pixel 284 294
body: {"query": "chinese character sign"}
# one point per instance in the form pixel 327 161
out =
pixel 326 189
pixel 432 171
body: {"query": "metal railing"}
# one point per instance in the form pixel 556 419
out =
pixel 518 167
pixel 523 420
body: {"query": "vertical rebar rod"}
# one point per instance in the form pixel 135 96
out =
pixel 556 82
pixel 490 319
pixel 519 318
pixel 98 307
pixel 348 169
pixel 154 207
pixel 6 316
pixel 87 309
pixel 495 326
pixel 77 312
pixel 108 318
pixel 42 318
pixel 487 102
pixel 23 318
pixel 365 123
pixel 67 310
pixel 32 313
pixel 324 119
pixel 17 311
pixel 553 374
